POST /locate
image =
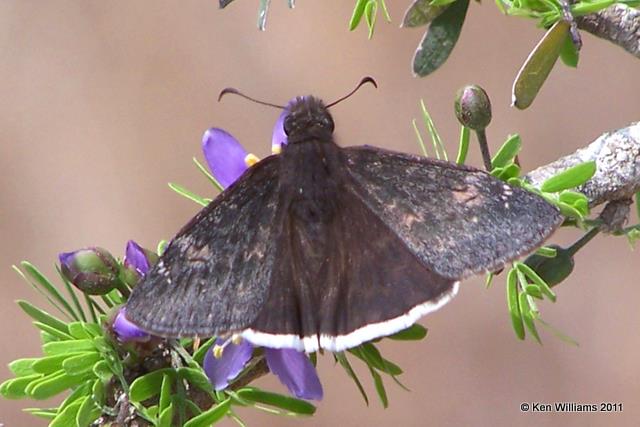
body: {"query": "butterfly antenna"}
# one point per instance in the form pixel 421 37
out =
pixel 364 81
pixel 237 92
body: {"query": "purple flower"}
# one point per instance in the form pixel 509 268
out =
pixel 225 156
pixel 293 368
pixel 92 270
pixel 138 259
pixel 126 331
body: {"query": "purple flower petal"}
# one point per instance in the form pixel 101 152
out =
pixel 295 371
pixel 224 154
pixel 136 258
pixel 127 331
pixel 234 357
pixel 278 137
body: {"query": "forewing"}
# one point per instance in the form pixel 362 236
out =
pixel 457 219
pixel 213 277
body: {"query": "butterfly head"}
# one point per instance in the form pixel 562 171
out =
pixel 307 118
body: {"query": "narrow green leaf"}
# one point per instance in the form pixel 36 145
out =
pixel 43 317
pixel 570 178
pixel 356 17
pixel 414 332
pixel 198 356
pixel 102 371
pixel 74 346
pixel 166 416
pixel 16 388
pixel 98 392
pixel 47 414
pixel 569 54
pixel 210 416
pixel 47 286
pixel 419 137
pixel 558 333
pixel 77 330
pixel 344 362
pixel 165 393
pixel 513 304
pixel 368 353
pixel 207 175
pixel 147 386
pixel 79 392
pixel 23 367
pixel 72 294
pixel 535 278
pixel 87 413
pixel 370 12
pixel 440 39
pixel 262 14
pixel 55 383
pixel 534 291
pixel 196 377
pixel 547 252
pixel 538 65
pixel 463 145
pixel 287 403
pixel 379 384
pixel 188 194
pixel 528 316
pixel 436 141
pixel 67 417
pixel 81 363
pixel 93 308
pixel 421 12
pixel 507 152
pixel 53 332
pixel 49 364
pixel 385 11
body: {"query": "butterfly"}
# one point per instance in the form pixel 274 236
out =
pixel 325 247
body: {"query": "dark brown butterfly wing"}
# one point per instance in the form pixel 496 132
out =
pixel 214 275
pixel 457 220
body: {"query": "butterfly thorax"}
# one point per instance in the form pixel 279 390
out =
pixel 308 119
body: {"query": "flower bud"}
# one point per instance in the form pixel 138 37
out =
pixel 137 262
pixel 92 270
pixel 473 107
pixel 552 270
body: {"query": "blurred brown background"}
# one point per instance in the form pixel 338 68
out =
pixel 102 103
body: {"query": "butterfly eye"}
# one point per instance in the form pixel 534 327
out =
pixel 287 124
pixel 327 122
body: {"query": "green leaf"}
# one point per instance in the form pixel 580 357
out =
pixel 147 386
pixel 287 403
pixel 87 413
pixel 513 304
pixel 67 417
pixel 570 178
pixel 211 179
pixel 23 367
pixel 420 13
pixel 414 332
pixel 379 384
pixel 547 252
pixel 538 65
pixel 196 377
pixel 97 392
pixel 535 278
pixel 165 393
pixel 44 284
pixel 507 152
pixel 341 357
pixel 358 11
pixel 440 39
pixel 43 317
pixel 436 141
pixel 166 416
pixel 73 346
pixel 16 388
pixel 47 414
pixel 46 365
pixel 569 54
pixel 463 146
pixel 528 315
pixel 79 392
pixel 534 291
pixel 53 332
pixel 558 333
pixel 72 294
pixel 81 363
pixel 102 371
pixel 210 416
pixel 370 11
pixel 198 356
pixel 54 383
pixel 188 194
pixel 78 331
pixel 368 353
